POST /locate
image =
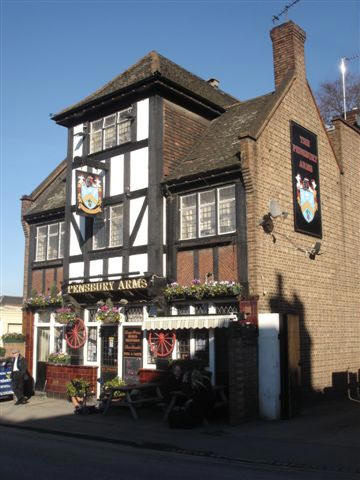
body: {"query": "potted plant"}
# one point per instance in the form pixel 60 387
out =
pixel 78 390
pixel 39 300
pixel 107 313
pixel 198 290
pixel 13 338
pixel 115 382
pixel 65 315
pixel 59 358
pixel 2 352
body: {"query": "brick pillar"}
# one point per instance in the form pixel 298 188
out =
pixel 243 372
pixel 28 331
pixel 288 41
pixel 26 202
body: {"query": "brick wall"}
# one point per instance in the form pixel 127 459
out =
pixel 228 263
pixel 57 376
pixel 205 263
pixel 325 291
pixel 37 280
pixel 182 128
pixel 185 267
pixel 28 330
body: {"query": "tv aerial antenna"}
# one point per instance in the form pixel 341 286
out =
pixel 343 75
pixel 276 18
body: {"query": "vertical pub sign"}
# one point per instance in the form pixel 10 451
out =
pixel 89 193
pixel 305 178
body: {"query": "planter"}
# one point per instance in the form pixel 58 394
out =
pixel 148 375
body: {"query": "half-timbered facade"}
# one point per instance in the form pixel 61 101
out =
pixel 186 173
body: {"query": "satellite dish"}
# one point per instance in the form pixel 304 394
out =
pixel 274 208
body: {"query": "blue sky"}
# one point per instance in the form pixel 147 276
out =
pixel 54 53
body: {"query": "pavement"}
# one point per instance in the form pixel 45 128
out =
pixel 325 437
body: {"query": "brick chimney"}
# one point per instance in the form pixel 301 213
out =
pixel 288 51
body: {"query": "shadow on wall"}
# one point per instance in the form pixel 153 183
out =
pixel 295 346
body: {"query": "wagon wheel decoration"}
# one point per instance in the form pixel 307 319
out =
pixel 75 334
pixel 162 343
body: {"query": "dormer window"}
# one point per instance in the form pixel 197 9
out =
pixel 211 212
pixel 110 131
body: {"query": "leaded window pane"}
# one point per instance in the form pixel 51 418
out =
pixel 183 344
pixel 61 239
pixel 41 239
pixel 92 344
pixel 207 213
pixel 53 239
pixel 96 141
pixel 124 133
pixel 99 232
pixel 110 120
pixel 201 338
pixel 188 217
pixel 116 225
pixel 227 216
pixel 58 339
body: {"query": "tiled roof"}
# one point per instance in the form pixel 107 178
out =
pixel 155 65
pixel 53 199
pixel 9 300
pixel 220 143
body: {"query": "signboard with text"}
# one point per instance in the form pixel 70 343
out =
pixel 305 178
pixel 132 353
pixel 89 193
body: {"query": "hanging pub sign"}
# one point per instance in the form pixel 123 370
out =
pixel 305 178
pixel 89 193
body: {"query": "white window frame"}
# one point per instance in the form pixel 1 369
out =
pixel 112 207
pixel 108 228
pixel 60 234
pixel 118 120
pixel 198 209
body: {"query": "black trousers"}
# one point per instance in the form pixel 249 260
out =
pixel 17 382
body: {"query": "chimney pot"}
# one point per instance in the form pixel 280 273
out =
pixel 213 82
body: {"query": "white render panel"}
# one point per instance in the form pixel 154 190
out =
pixel 74 244
pixel 114 266
pixel 96 268
pixel 142 235
pixel 269 366
pixel 117 175
pixel 142 120
pixel 135 207
pixel 139 169
pixel 78 141
pixel 138 263
pixel 102 174
pixel 76 269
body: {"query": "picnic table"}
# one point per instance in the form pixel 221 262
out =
pixel 219 394
pixel 134 395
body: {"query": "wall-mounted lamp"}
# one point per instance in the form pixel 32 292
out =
pixel 267 221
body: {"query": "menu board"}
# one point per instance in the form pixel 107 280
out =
pixel 132 348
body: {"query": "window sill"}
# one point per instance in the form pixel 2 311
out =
pixel 209 241
pixel 58 262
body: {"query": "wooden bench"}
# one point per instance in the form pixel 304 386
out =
pixel 134 395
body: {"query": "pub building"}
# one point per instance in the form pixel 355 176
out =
pixel 199 216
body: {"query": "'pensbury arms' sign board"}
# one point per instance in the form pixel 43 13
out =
pixel 306 188
pixel 108 286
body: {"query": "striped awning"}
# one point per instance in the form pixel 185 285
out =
pixel 189 321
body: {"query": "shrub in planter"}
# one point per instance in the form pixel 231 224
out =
pixel 77 388
pixel 2 352
pixel 13 338
pixel 115 382
pixel 59 358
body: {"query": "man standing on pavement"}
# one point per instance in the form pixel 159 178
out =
pixel 18 374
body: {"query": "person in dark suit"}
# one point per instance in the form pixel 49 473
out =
pixel 18 375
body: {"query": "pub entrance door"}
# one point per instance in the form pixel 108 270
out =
pixel 109 352
pixel 42 354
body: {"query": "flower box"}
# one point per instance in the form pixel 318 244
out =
pixel 40 301
pixel 198 291
pixel 13 338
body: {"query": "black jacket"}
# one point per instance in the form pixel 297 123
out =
pixel 21 365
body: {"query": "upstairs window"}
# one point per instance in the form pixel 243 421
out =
pixel 207 213
pixel 50 242
pixel 110 131
pixel 108 228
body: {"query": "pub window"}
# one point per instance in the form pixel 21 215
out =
pixel 58 339
pixel 50 242
pixel 207 213
pixel 110 131
pixel 183 344
pixel 108 228
pixel 201 337
pixel 92 344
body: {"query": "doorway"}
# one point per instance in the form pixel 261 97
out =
pixel 42 354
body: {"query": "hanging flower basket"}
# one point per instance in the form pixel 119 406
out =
pixel 107 313
pixel 65 315
pixel 198 291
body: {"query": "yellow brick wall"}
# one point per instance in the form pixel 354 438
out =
pixel 326 291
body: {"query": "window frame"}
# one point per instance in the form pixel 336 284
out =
pixel 60 241
pixel 198 206
pixel 121 117
pixel 108 228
